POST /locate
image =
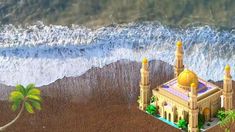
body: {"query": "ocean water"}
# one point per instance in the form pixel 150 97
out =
pixel 42 54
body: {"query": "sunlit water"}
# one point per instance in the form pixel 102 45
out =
pixel 43 54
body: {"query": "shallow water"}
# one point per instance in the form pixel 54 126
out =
pixel 105 12
pixel 43 54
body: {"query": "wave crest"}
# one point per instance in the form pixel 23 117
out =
pixel 43 54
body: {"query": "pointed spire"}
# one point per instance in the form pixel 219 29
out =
pixel 179 66
pixel 193 109
pixel 227 67
pixel 145 61
pixel 193 92
pixel 227 71
pixel 144 85
pixel 179 43
pixel 194 89
pixel 144 72
pixel 227 89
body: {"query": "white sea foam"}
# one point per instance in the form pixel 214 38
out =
pixel 43 54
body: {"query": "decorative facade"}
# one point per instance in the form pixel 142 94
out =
pixel 187 95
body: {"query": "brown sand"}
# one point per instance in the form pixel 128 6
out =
pixel 102 99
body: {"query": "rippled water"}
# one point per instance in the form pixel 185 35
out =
pixel 42 54
pixel 104 12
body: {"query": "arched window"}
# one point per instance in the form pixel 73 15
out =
pixel 176 117
pixel 169 117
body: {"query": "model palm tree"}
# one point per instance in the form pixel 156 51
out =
pixel 28 98
pixel 151 109
pixel 227 122
pixel 182 124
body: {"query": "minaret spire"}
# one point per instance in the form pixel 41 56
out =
pixel 193 109
pixel 227 89
pixel 144 85
pixel 179 54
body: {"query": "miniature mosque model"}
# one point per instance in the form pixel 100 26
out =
pixel 187 95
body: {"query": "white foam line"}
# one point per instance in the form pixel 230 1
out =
pixel 43 54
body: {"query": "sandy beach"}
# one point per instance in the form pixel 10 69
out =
pixel 101 100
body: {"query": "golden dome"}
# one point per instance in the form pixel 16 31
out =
pixel 193 85
pixel 186 78
pixel 227 68
pixel 179 43
pixel 145 61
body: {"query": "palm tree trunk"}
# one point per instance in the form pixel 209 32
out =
pixel 10 123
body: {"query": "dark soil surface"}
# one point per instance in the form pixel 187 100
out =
pixel 101 100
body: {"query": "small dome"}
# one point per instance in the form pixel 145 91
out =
pixel 227 68
pixel 145 61
pixel 193 85
pixel 186 78
pixel 179 43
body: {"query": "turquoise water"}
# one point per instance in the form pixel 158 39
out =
pixel 166 121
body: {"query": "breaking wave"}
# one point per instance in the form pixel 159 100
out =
pixel 43 54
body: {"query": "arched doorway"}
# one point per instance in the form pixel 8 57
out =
pixel 165 115
pixel 176 117
pixel 206 113
pixel 169 116
pixel 158 110
pixel 180 118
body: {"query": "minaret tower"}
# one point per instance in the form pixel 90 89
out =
pixel 144 85
pixel 193 109
pixel 227 89
pixel 179 54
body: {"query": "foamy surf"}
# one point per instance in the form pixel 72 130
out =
pixel 43 54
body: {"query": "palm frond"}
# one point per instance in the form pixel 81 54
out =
pixel 228 119
pixel 36 104
pixel 16 95
pixel 15 105
pixel 34 97
pixel 29 86
pixel 34 91
pixel 224 122
pixel 28 107
pixel 21 88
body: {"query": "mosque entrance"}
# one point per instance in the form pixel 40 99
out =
pixel 206 113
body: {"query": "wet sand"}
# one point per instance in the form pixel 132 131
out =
pixel 101 100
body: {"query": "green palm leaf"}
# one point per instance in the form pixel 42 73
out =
pixel 34 91
pixel 28 107
pixel 29 87
pixel 34 97
pixel 36 104
pixel 30 96
pixel 228 119
pixel 21 89
pixel 15 105
pixel 16 95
